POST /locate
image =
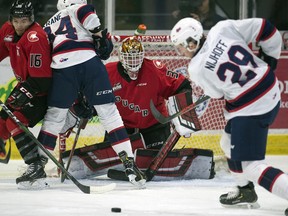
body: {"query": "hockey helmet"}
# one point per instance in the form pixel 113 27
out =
pixel 21 9
pixel 185 31
pixel 62 4
pixel 131 54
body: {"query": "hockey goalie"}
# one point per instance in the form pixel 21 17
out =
pixel 171 164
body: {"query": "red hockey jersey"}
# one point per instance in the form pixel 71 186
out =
pixel 154 82
pixel 30 56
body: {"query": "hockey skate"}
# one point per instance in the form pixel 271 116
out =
pixel 136 177
pixel 33 178
pixel 243 197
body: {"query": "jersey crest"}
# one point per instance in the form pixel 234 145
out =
pixel 158 64
pixel 32 36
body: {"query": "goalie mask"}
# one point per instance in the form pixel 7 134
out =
pixel 62 4
pixel 187 33
pixel 20 9
pixel 131 54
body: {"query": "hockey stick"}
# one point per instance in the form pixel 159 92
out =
pixel 8 154
pixel 162 154
pixel 162 119
pixel 82 125
pixel 156 162
pixel 83 188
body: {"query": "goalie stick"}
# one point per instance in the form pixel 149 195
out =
pixel 162 154
pixel 162 119
pixel 84 188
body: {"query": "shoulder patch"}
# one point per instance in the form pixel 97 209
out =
pixel 32 36
pixel 158 64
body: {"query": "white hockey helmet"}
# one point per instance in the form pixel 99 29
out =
pixel 185 31
pixel 62 4
pixel 131 54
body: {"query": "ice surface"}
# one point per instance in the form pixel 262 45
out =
pixel 189 197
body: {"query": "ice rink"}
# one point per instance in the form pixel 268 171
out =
pixel 177 198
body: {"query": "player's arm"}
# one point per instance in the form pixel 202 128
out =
pixel 265 34
pixel 101 38
pixel 171 82
pixel 4 52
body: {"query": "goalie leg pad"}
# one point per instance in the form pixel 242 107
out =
pixel 96 159
pixel 179 164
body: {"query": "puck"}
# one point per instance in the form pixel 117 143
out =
pixel 115 209
pixel 286 212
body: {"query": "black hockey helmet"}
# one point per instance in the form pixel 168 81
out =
pixel 22 8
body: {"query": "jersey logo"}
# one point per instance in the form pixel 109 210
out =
pixel 158 64
pixel 32 36
pixel 117 86
pixel 8 38
pixel 142 84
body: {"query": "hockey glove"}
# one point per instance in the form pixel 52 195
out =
pixel 21 96
pixel 103 45
pixel 272 62
pixel 82 109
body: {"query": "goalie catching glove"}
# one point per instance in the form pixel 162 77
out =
pixel 21 95
pixel 103 45
pixel 187 123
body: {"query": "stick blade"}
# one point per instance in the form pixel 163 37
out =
pixel 102 189
pixel 157 115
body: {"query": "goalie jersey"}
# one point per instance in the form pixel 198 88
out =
pixel 225 67
pixel 68 31
pixel 155 82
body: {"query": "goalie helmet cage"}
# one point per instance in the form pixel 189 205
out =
pixel 159 47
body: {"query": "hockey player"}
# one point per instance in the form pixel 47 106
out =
pixel 225 67
pixel 25 42
pixel 78 47
pixel 134 76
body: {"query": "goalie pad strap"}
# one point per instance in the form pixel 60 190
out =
pixel 102 155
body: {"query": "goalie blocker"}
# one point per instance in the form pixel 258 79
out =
pixel 97 159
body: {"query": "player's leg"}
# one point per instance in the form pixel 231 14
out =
pixel 4 134
pixel 247 145
pixel 30 116
pixel 63 93
pixel 156 135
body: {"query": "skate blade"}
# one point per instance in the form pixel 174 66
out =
pixel 254 205
pixel 139 184
pixel 38 184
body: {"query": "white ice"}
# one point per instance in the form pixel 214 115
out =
pixel 189 197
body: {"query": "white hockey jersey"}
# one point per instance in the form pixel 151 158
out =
pixel 68 30
pixel 225 67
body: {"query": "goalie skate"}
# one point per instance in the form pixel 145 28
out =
pixel 242 197
pixel 136 177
